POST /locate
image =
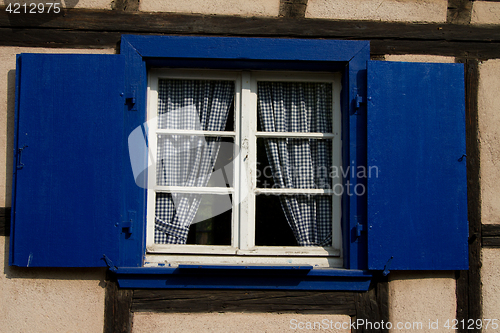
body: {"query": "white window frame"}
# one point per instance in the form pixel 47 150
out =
pixel 242 249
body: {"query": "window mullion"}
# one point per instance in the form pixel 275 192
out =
pixel 248 161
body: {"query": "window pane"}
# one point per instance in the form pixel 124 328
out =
pixel 295 163
pixel 203 105
pixel 186 218
pixel 291 220
pixel 294 107
pixel 189 160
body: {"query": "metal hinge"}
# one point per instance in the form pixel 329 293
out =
pixel 358 101
pixel 131 98
pixel 128 225
pixel 359 226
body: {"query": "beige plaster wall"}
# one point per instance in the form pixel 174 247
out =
pixel 91 4
pixel 40 300
pixel 7 96
pixel 50 300
pixel 485 12
pixel 421 297
pixel 490 276
pixel 419 58
pixel 237 322
pixel 383 10
pixel 489 136
pixel 228 7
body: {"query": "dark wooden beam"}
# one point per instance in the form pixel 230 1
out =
pixel 490 235
pixel 188 300
pixel 117 304
pixel 4 221
pixel 103 28
pixel 171 23
pixel 468 288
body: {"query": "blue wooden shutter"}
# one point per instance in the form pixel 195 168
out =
pixel 67 190
pixel 417 204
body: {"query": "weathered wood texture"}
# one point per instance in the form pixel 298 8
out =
pixel 469 282
pixel 459 11
pixel 293 8
pixel 4 221
pixel 490 235
pixel 373 306
pixel 101 28
pixel 244 301
pixel 117 303
pixel 126 5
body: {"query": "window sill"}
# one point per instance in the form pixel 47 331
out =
pixel 243 277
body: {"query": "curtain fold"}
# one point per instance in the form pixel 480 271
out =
pixel 186 160
pixel 300 163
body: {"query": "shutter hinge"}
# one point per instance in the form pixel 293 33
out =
pixel 128 225
pixel 359 226
pixel 131 98
pixel 358 100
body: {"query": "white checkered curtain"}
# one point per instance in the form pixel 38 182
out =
pixel 300 163
pixel 186 160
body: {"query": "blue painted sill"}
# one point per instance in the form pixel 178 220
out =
pixel 303 277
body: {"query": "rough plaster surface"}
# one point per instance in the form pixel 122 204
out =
pixel 7 96
pixel 93 4
pixel 485 12
pixel 419 58
pixel 489 136
pixel 383 10
pixel 236 322
pixel 417 297
pixel 229 7
pixel 50 300
pixel 490 276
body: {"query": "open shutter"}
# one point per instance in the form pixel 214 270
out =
pixel 417 203
pixel 67 189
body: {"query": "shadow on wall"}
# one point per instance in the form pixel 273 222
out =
pixel 9 149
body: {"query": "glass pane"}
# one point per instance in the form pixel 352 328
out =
pixel 295 163
pixel 189 160
pixel 203 105
pixel 291 220
pixel 294 107
pixel 186 218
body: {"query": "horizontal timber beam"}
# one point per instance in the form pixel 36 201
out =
pixel 76 28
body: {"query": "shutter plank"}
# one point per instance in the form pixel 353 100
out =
pixel 67 192
pixel 417 206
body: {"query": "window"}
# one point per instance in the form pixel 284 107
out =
pixel 214 134
pixel 77 203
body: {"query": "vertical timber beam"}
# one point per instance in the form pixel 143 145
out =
pixel 117 305
pixel 459 11
pixel 126 5
pixel 469 305
pixel 293 8
pixel 373 306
